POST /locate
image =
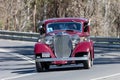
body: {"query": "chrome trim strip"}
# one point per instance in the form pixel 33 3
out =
pixel 60 59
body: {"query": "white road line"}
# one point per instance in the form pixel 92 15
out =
pixel 4 50
pixel 17 76
pixel 105 77
pixel 18 55
pixel 23 57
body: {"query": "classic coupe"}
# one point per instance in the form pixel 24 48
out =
pixel 64 41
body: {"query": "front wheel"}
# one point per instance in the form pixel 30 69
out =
pixel 41 66
pixel 88 63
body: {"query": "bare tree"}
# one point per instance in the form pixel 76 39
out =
pixel 22 15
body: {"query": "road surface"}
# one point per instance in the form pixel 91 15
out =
pixel 17 63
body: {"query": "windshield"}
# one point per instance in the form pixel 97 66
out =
pixel 64 26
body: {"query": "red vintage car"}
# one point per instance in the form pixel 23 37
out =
pixel 64 41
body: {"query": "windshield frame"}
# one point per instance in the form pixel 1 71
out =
pixel 50 30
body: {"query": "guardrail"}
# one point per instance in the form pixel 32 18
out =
pixel 23 36
pixel 26 36
pixel 105 42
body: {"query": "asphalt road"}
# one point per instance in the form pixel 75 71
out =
pixel 17 63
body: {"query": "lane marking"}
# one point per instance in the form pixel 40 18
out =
pixel 18 55
pixel 17 76
pixel 23 57
pixel 4 50
pixel 105 77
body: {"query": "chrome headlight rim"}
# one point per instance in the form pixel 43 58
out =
pixel 48 40
pixel 75 39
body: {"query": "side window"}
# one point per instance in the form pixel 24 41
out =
pixel 41 29
pixel 86 26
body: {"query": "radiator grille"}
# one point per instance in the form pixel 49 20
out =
pixel 62 46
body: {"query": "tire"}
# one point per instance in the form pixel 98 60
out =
pixel 46 66
pixel 88 63
pixel 39 67
pixel 42 67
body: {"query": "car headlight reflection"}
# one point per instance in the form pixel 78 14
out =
pixel 48 40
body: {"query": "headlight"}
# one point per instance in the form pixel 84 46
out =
pixel 75 39
pixel 40 40
pixel 48 40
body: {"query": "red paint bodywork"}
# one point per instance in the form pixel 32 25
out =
pixel 84 46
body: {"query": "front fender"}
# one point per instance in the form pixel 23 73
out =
pixel 83 47
pixel 40 48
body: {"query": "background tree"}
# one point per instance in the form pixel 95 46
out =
pixel 23 15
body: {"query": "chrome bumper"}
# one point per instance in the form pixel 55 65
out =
pixel 61 59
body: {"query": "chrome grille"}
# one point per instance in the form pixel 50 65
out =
pixel 62 46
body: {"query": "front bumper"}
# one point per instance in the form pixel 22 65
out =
pixel 61 59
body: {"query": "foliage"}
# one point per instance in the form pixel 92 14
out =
pixel 23 15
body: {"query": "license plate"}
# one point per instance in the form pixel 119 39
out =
pixel 45 55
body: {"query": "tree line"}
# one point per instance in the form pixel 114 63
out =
pixel 23 15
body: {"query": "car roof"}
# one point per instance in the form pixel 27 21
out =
pixel 68 19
